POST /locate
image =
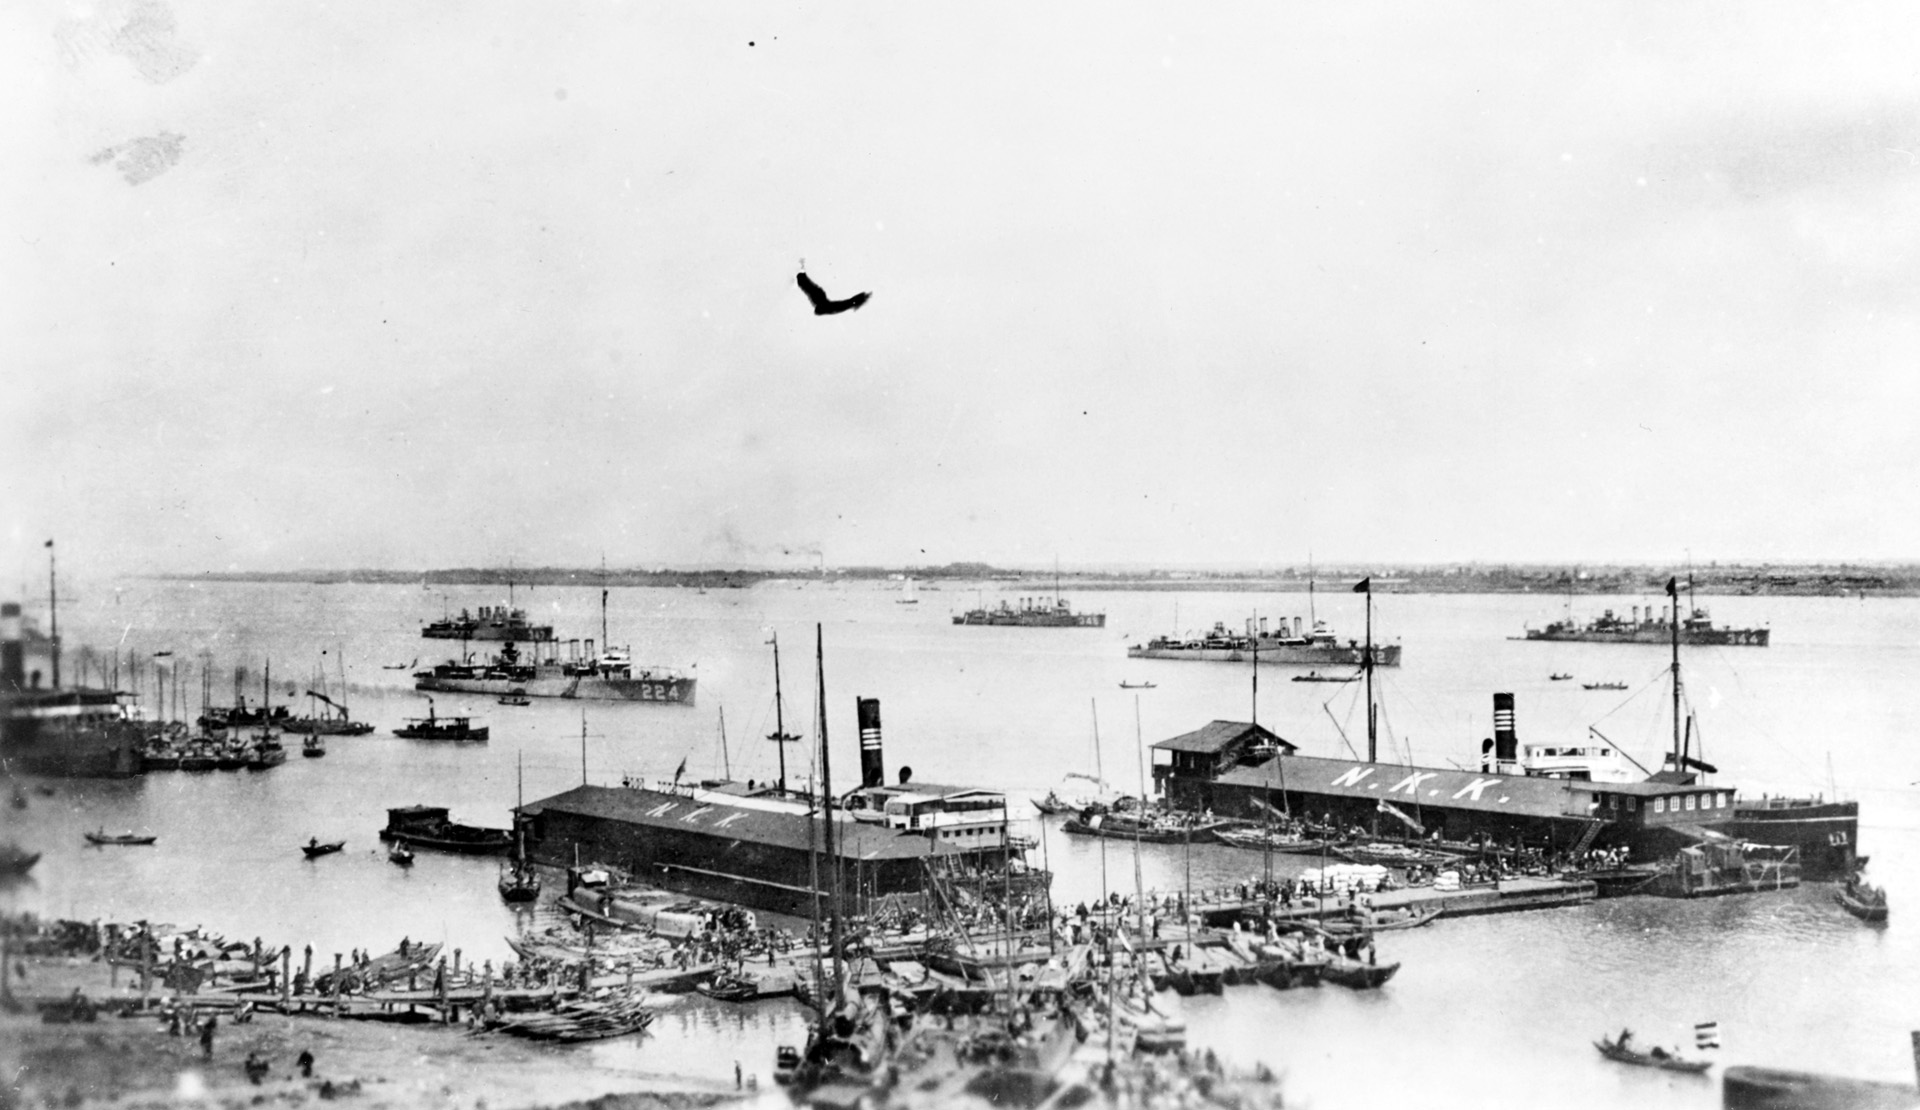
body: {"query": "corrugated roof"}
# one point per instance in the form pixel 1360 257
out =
pixel 1215 736
pixel 763 821
pixel 1411 786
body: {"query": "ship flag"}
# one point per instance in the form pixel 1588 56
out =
pixel 1365 585
pixel 680 770
pixel 1706 1034
pixel 1673 588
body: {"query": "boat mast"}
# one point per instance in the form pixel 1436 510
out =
pixel 583 741
pixel 1312 620
pixel 53 613
pixel 1673 593
pixel 1100 781
pixel 1366 664
pixel 1140 761
pixel 1256 679
pixel 826 802
pixel 780 736
pixel 726 763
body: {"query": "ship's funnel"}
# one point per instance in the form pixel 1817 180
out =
pixel 873 771
pixel 1506 744
pixel 1296 628
pixel 1263 626
pixel 13 659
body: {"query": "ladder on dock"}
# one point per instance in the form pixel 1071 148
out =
pixel 1587 837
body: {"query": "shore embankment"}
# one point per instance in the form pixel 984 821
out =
pixel 134 1061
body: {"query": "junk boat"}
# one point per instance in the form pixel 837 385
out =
pixel 489 623
pixel 431 727
pixel 1282 645
pixel 432 827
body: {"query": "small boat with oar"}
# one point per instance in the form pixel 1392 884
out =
pixel 1862 899
pixel 515 696
pixel 400 854
pixel 314 849
pixel 104 837
pixel 1655 1057
pixel 1316 676
pixel 312 748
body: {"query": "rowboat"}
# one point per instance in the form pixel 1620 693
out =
pixel 125 838
pixel 400 854
pixel 1863 900
pixel 314 848
pixel 1656 1057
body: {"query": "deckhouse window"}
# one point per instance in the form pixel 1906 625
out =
pixel 1719 801
pixel 1689 803
pixel 1659 805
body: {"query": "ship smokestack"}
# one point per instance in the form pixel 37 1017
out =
pixel 1506 744
pixel 13 660
pixel 1263 626
pixel 873 771
pixel 1296 628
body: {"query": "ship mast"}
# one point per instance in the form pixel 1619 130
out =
pixel 1673 626
pixel 779 736
pixel 53 614
pixel 826 803
pixel 1366 664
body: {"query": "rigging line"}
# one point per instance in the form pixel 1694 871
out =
pixel 1327 706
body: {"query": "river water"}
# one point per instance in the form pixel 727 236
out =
pixel 1485 1012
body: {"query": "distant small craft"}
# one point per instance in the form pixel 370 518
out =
pixel 1655 1057
pixel 105 837
pixel 1558 676
pixel 314 848
pixel 515 697
pixel 1136 685
pixel 1603 685
pixel 312 748
pixel 1316 676
pixel 400 854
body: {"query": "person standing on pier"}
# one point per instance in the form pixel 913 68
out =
pixel 206 1037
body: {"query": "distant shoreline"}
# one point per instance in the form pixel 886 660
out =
pixel 1754 581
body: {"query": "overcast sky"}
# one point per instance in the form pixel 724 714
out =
pixel 376 284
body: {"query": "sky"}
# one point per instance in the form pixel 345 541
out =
pixel 411 286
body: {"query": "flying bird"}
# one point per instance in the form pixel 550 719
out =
pixel 824 305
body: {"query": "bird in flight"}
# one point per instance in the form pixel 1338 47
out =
pixel 824 305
